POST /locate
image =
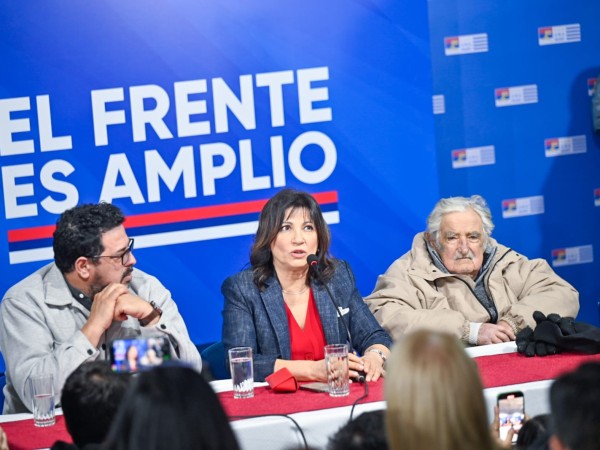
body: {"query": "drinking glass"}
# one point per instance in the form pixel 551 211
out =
pixel 42 392
pixel 242 373
pixel 338 375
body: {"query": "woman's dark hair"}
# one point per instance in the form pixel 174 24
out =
pixel 79 232
pixel 170 407
pixel 271 217
pixel 532 430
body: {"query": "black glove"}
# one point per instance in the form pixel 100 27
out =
pixel 547 335
pixel 566 324
pixel 524 340
pixel 555 334
pixel 542 341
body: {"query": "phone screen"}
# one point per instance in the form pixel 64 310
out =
pixel 511 412
pixel 133 355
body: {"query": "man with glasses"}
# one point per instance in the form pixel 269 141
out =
pixel 69 311
pixel 458 279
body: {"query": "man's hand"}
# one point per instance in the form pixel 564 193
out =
pixel 102 313
pixel 132 305
pixel 490 333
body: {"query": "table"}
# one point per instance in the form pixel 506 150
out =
pixel 277 433
pixel 499 366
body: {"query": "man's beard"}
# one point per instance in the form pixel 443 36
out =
pixel 98 284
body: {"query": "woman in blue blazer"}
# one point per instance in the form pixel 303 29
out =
pixel 281 308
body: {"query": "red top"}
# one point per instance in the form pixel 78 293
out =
pixel 307 343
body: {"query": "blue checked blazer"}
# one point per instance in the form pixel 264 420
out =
pixel 257 319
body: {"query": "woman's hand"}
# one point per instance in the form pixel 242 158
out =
pixel 304 370
pixel 507 442
pixel 355 365
pixel 373 366
pixel 3 440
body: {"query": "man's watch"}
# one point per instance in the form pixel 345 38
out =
pixel 156 312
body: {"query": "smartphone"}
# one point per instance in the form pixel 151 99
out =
pixel 315 387
pixel 511 412
pixel 133 355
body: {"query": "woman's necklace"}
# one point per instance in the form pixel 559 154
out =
pixel 295 293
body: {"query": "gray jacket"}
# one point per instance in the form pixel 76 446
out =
pixel 40 331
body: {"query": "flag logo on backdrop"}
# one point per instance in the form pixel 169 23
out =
pixel 572 255
pixel 559 34
pixel 509 206
pixel 439 104
pixel 569 145
pixel 474 156
pixel 591 86
pixel 516 95
pixel 524 206
pixel 168 227
pixel 464 44
pixel 597 197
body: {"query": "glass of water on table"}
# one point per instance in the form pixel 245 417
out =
pixel 242 373
pixel 42 393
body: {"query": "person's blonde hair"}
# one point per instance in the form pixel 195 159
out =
pixel 434 396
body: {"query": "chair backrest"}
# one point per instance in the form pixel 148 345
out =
pixel 2 382
pixel 213 360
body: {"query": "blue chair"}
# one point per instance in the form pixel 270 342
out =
pixel 213 360
pixel 2 382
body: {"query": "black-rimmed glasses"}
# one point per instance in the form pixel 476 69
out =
pixel 125 256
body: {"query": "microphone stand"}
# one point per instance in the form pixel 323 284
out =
pixel 313 264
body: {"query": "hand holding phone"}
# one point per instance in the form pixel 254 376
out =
pixel 511 413
pixel 133 355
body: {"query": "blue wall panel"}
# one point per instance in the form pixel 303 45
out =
pixel 372 67
pixel 552 45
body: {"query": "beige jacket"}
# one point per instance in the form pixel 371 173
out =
pixel 414 294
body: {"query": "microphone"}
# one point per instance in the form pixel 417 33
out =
pixel 313 264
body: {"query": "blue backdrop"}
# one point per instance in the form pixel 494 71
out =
pixel 186 113
pixel 513 83
pixel 189 114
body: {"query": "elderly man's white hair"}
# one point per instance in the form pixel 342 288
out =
pixel 459 204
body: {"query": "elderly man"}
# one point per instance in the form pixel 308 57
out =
pixel 69 311
pixel 457 279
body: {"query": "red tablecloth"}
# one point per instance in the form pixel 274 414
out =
pixel 495 370
pixel 514 368
pixel 24 435
pixel 265 401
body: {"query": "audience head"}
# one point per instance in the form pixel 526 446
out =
pixel 365 432
pixel 533 430
pixel 79 232
pixel 459 229
pixel 434 396
pixel 575 409
pixel 90 399
pixel 277 210
pixel 172 407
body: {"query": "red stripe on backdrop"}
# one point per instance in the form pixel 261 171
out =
pixel 164 217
